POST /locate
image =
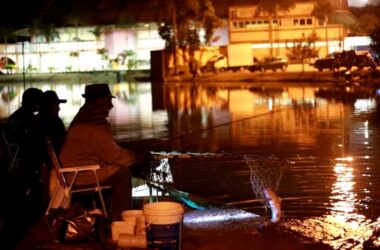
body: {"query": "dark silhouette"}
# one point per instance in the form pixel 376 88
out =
pixel 21 186
pixel 90 141
pixel 51 127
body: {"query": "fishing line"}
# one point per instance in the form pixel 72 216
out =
pixel 169 139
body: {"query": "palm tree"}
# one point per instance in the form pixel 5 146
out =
pixel 271 9
pixel 50 34
pixel 97 32
pixel 322 10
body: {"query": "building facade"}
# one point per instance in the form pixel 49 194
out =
pixel 76 49
pixel 271 35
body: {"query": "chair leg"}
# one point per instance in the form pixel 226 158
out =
pixel 52 200
pixel 103 203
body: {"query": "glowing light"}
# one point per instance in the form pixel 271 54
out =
pixel 349 158
pixel 219 217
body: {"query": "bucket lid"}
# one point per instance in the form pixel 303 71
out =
pixel 163 208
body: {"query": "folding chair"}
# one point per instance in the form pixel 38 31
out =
pixel 12 149
pixel 62 194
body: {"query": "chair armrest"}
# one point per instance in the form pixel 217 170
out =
pixel 79 168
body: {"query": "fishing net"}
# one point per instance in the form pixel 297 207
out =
pixel 266 173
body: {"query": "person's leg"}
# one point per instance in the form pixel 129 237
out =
pixel 121 193
pixel 119 179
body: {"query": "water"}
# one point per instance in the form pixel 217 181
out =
pixel 331 136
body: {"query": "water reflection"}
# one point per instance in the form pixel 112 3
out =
pixel 332 134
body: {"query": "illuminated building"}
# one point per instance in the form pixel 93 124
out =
pixel 249 25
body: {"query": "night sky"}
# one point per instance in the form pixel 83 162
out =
pixel 22 13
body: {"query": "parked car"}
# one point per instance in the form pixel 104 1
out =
pixel 346 59
pixel 269 63
pixel 328 62
pixel 365 59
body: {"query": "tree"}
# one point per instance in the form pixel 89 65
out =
pixel 49 32
pixel 302 49
pixel 366 24
pixel 97 32
pixel 192 28
pixel 322 10
pixel 271 8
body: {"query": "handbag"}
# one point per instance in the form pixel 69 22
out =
pixel 74 224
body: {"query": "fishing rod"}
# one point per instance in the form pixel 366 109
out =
pixel 214 127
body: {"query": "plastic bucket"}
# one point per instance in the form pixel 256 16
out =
pixel 164 225
pixel 138 215
pixel 122 227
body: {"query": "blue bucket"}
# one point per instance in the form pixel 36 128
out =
pixel 164 225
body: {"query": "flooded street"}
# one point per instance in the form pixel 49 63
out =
pixel 330 135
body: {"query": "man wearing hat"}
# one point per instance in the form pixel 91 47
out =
pixel 21 179
pixel 89 140
pixel 21 130
pixel 51 126
pixel 48 119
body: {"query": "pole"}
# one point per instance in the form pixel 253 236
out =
pixel 23 64
pixel 175 39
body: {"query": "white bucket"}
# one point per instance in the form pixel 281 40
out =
pixel 164 225
pixel 122 227
pixel 132 213
pixel 130 241
pixel 138 215
pixel 164 212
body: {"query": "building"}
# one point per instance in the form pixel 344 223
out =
pixel 74 49
pixel 273 34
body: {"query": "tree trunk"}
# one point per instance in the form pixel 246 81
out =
pixel 326 36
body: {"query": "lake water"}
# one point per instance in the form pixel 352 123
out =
pixel 331 136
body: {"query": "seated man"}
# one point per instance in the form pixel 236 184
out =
pixel 89 140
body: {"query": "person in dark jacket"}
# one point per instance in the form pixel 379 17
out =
pixel 90 141
pixel 51 127
pixel 49 122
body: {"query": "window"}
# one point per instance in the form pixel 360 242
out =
pixel 235 25
pixel 234 14
pixel 302 21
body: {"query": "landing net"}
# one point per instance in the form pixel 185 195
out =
pixel 266 173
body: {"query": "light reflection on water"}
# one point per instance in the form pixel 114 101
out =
pixel 330 193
